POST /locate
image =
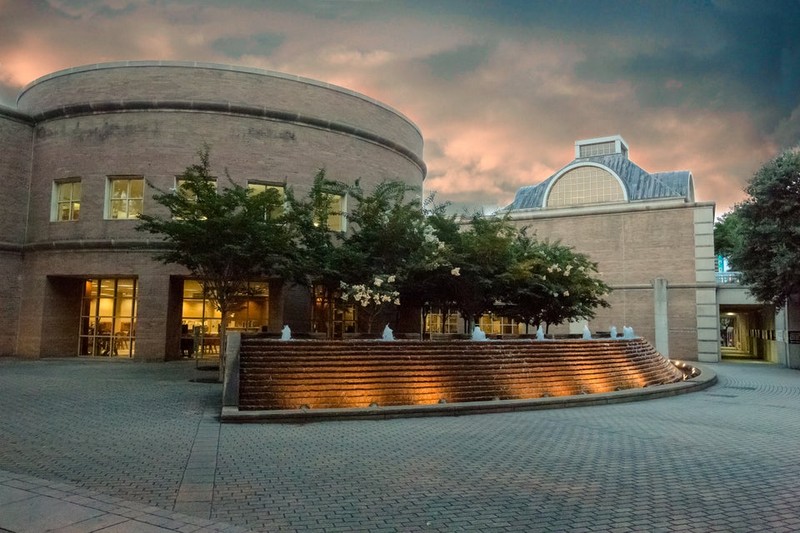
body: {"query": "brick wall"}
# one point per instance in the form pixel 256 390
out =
pixel 349 135
pixel 632 247
pixel 15 140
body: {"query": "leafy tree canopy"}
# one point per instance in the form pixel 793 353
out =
pixel 768 254
pixel 225 238
pixel 727 235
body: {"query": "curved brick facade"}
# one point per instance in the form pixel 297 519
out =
pixel 150 119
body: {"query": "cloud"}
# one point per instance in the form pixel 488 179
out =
pixel 500 89
pixel 260 44
pixel 463 60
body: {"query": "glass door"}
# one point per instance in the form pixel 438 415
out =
pixel 108 318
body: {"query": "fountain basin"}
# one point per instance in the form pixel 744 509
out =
pixel 330 375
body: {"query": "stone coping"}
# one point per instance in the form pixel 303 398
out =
pixel 706 378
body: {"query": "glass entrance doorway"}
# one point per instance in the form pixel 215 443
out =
pixel 108 318
pixel 200 318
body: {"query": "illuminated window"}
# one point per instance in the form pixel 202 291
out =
pixel 66 200
pixel 180 186
pixel 337 212
pixel 500 325
pixel 436 322
pixel 108 318
pixel 254 187
pixel 125 197
pixel 201 319
pixel 334 318
pixel 585 185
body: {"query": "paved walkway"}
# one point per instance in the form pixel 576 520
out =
pixel 118 446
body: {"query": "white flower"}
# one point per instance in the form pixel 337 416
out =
pixel 397 301
pixel 455 271
pixel 390 279
pixel 566 293
pixel 378 282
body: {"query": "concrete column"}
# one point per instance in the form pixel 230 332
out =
pixel 660 316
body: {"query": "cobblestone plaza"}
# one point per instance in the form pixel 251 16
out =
pixel 128 446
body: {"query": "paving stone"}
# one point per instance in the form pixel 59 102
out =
pixel 697 462
pixel 43 513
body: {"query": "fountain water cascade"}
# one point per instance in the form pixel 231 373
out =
pixel 478 334
pixel 388 334
pixel 360 373
pixel 286 333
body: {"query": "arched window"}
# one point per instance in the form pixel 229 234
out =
pixel 586 184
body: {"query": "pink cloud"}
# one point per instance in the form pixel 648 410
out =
pixel 508 122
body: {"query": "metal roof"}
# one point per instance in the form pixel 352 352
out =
pixel 640 185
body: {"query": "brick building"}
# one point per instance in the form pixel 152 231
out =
pixel 652 241
pixel 84 147
pixel 81 153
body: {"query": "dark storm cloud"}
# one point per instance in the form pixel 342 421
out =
pixel 452 63
pixel 501 89
pixel 236 47
pixel 729 56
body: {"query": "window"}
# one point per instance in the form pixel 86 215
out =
pixel 179 186
pixel 125 197
pixel 331 315
pixel 500 325
pixel 603 148
pixel 436 322
pixel 108 317
pixel 585 185
pixel 254 187
pixel 337 212
pixel 200 318
pixel 66 200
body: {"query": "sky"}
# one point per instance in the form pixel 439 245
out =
pixel 501 89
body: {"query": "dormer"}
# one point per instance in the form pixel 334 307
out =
pixel 601 146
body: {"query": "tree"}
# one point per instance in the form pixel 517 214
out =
pixel 482 254
pixel 225 238
pixel 319 260
pixel 385 231
pixel 431 281
pixel 727 234
pixel 769 252
pixel 372 298
pixel 575 291
pixel 391 238
pixel 549 283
